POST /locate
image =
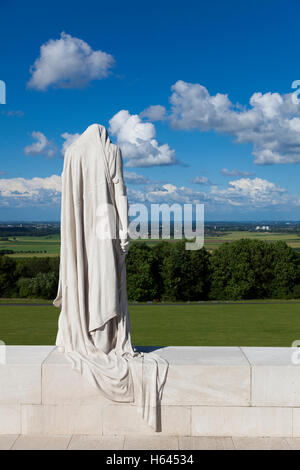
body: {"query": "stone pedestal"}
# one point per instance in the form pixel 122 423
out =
pixel 210 391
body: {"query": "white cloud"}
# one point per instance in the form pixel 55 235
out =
pixel 271 122
pixel 201 180
pixel 256 191
pixel 134 178
pixel 68 62
pixel 19 192
pixel 169 193
pixel 41 146
pixel 137 141
pixel 136 195
pixel 154 113
pixel 69 139
pixel 235 172
pixel 248 194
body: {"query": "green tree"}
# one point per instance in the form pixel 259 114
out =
pixel 296 292
pixel 30 267
pixel 7 275
pixel 140 262
pixel 249 269
pixel 285 269
pixel 161 251
pixel 43 285
pixel 185 273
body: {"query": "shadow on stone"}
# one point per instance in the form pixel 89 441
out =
pixel 148 349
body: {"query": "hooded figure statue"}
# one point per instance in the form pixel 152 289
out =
pixel 94 325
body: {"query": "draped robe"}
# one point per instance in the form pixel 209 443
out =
pixel 94 325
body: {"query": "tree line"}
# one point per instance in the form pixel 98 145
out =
pixel 244 269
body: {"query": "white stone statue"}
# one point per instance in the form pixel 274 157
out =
pixel 94 326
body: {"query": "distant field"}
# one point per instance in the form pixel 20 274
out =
pixel 178 325
pixel 211 243
pixel 50 245
pixel 32 246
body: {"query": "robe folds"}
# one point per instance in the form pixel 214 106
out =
pixel 94 324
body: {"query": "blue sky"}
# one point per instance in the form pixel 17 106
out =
pixel 197 94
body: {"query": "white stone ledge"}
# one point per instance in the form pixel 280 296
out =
pixel 20 376
pixel 241 421
pixel 275 379
pixel 210 391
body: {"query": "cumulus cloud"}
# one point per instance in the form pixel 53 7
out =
pixel 136 196
pixel 69 139
pixel 255 191
pixel 137 141
pixel 41 146
pixel 154 113
pixel 201 180
pixel 247 194
pixel 271 122
pixel 19 192
pixel 134 178
pixel 169 193
pixel 235 172
pixel 68 62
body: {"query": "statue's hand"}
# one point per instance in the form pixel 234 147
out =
pixel 124 240
pixel 124 245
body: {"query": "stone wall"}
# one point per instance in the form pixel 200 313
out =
pixel 210 391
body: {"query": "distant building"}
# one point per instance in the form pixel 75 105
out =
pixel 263 228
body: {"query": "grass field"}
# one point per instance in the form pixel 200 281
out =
pixel 179 325
pixel 211 243
pixel 32 246
pixel 50 244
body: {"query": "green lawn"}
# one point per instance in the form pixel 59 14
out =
pixel 187 325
